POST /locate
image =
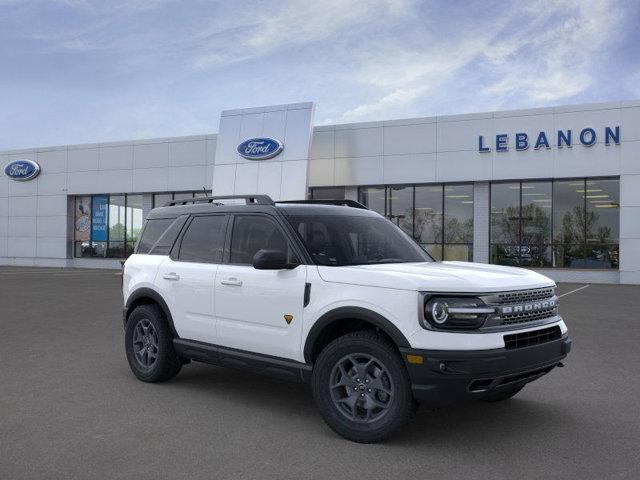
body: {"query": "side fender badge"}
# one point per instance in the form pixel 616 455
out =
pixel 288 318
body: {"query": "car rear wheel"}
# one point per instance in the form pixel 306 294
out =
pixel 362 388
pixel 149 345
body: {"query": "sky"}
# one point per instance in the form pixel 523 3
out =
pixel 80 71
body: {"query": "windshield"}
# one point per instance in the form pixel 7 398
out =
pixel 339 240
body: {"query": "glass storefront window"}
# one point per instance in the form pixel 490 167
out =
pixel 458 222
pixel 373 198
pixel 107 225
pixel 327 193
pixel 400 208
pixel 439 217
pixel 428 219
pixel 134 221
pixel 161 199
pixel 564 223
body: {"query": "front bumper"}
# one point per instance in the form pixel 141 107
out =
pixel 445 377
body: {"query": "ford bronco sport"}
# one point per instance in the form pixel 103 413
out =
pixel 331 293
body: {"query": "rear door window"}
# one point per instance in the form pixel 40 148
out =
pixel 203 241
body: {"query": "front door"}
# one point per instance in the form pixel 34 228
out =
pixel 187 279
pixel 259 310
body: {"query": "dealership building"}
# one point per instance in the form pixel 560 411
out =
pixel 553 189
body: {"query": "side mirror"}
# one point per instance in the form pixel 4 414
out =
pixel 271 260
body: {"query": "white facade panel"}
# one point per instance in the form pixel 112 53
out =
pixel 322 144
pixel 83 159
pixel 117 157
pixel 188 178
pixel 22 227
pixel 188 153
pixel 51 247
pixel 358 142
pixel 150 180
pixel 322 172
pixel 21 246
pixel 151 155
pixel 408 139
pixel 53 161
pixel 52 183
pixel 22 206
pixel 630 157
pixel 359 171
pixel 52 226
pixel 406 168
pixel 51 205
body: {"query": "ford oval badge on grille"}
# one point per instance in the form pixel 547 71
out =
pixel 260 148
pixel 22 170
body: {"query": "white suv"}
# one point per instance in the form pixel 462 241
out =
pixel 333 294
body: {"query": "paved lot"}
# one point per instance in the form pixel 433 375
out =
pixel 70 408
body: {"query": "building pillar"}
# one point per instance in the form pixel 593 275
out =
pixel 629 229
pixel 481 217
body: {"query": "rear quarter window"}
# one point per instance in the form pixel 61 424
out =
pixel 152 232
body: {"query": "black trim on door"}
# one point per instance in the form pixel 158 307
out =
pixel 283 368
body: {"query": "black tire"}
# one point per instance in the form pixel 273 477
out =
pixel 395 388
pixel 160 363
pixel 502 395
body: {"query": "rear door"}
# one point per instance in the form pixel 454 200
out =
pixel 187 277
pixel 259 310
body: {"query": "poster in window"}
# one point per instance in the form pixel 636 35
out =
pixel 99 218
pixel 83 219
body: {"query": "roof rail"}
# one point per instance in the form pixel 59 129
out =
pixel 250 199
pixel 343 203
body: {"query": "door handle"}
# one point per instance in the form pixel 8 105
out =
pixel 231 281
pixel 171 276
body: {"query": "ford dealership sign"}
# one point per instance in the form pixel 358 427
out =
pixel 260 148
pixel 564 138
pixel 22 170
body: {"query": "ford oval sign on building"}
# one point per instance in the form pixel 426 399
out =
pixel 22 170
pixel 260 148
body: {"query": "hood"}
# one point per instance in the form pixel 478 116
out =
pixel 438 277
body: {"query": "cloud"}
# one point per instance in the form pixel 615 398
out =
pixel 543 52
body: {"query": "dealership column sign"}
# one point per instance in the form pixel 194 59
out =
pixel 22 170
pixel 260 148
pixel 565 138
pixel 99 218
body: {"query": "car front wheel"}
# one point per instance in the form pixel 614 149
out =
pixel 362 388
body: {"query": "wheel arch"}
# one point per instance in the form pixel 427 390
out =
pixel 331 321
pixel 146 296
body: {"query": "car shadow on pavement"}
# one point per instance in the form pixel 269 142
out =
pixel 474 422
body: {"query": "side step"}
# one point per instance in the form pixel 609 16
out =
pixel 239 359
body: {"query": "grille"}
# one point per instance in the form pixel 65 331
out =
pixel 534 337
pixel 523 317
pixel 525 295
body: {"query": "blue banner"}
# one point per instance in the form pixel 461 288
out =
pixel 99 206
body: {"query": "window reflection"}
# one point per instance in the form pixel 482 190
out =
pixel 401 208
pixel 565 223
pixel 439 217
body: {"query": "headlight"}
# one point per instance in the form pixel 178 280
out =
pixel 455 313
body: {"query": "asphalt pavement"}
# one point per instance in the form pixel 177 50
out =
pixel 71 409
